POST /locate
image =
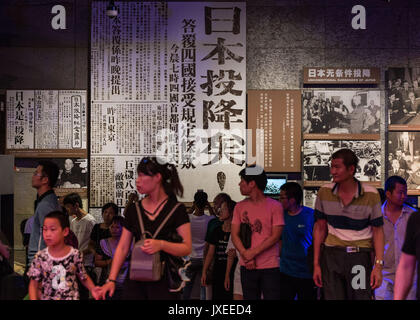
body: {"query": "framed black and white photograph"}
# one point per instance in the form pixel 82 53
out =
pixel 72 173
pixel 404 158
pixel 341 114
pixel 317 159
pixel 403 98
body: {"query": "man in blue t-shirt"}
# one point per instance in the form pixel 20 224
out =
pixel 296 276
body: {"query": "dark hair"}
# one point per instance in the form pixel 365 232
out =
pixel 118 219
pixel 260 179
pixel 348 156
pixel 170 179
pixel 222 197
pixel 61 217
pixel 73 198
pixel 392 181
pixel 231 206
pixel 200 199
pixel 293 190
pixel 110 205
pixel 50 169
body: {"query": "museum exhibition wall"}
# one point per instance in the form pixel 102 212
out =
pixel 209 86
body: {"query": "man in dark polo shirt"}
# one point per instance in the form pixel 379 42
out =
pixel 348 229
pixel 410 256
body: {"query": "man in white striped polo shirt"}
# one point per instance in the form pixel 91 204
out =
pixel 347 231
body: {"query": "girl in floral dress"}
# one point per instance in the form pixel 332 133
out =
pixel 54 269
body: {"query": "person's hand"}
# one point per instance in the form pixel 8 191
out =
pixel 96 292
pixel 151 246
pixel 227 282
pixel 376 277
pixel 250 265
pixel 204 279
pixel 317 276
pixel 107 287
pixel 248 255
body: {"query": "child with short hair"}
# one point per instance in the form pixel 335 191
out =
pixel 54 269
pixel 106 251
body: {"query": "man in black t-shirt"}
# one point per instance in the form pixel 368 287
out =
pixel 410 256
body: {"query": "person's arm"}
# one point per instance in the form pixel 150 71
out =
pixel 378 243
pixel 404 276
pixel 207 262
pixel 237 242
pixel 101 262
pixel 319 235
pixel 178 249
pixel 250 254
pixel 91 246
pixel 231 255
pixel 120 256
pixel 33 290
pixel 88 283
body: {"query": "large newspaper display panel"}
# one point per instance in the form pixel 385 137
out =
pixel 46 121
pixel 168 79
pixel 20 119
pixel 46 115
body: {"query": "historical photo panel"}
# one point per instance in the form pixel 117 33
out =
pixel 341 114
pixel 72 173
pixel 403 98
pixel 317 160
pixel 404 158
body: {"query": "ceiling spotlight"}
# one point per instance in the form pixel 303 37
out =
pixel 111 9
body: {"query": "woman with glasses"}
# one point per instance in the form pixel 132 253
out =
pixel 161 185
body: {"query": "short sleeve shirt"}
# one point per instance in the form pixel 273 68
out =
pixel 261 217
pixel 57 276
pixel 349 225
pixel 296 240
pixel 168 232
pixel 220 240
pixel 411 244
pixel 98 234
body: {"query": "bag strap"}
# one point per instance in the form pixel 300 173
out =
pixel 160 226
pixel 140 220
pixel 166 219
